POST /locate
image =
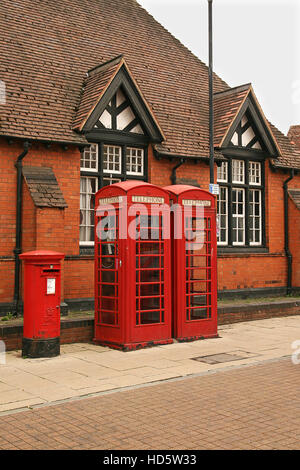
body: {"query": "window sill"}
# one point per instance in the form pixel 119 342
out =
pixel 238 250
pixel 86 251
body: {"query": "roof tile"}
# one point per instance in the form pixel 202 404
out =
pixel 43 187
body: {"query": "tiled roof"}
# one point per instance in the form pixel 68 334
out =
pixel 295 196
pixel 43 187
pixel 48 47
pixel 226 106
pixel 95 84
pixel 290 153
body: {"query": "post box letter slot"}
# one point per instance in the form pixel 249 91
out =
pixel 50 270
pixel 51 286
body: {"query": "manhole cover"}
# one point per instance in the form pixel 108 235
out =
pixel 223 357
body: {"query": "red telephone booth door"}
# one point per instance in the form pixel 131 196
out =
pixel 194 254
pixel 108 264
pixel 150 264
pixel 200 278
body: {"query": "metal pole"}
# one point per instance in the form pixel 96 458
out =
pixel 210 85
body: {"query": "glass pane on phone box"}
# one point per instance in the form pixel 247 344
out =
pixel 198 313
pixel 108 276
pixel 107 249
pixel 151 248
pixel 198 287
pixel 149 261
pixel 197 275
pixel 150 317
pixel 107 262
pixel 151 303
pixel 108 304
pixel 198 261
pixel 108 318
pixel 149 276
pixel 148 290
pixel 108 291
pixel 198 300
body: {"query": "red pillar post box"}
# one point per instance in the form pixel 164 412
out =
pixel 42 292
pixel 194 254
pixel 132 266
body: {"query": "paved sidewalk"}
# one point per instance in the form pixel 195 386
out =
pixel 88 370
pixel 251 407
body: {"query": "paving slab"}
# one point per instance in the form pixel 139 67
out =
pixel 84 369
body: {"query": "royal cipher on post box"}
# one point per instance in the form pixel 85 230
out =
pixel 132 266
pixel 42 294
pixel 194 256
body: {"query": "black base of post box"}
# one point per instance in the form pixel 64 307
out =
pixel 34 348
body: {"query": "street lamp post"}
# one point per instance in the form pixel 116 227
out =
pixel 210 86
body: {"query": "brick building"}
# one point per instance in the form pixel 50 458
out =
pixel 96 91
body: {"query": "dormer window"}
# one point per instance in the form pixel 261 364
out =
pixel 118 115
pixel 119 125
pixel 245 135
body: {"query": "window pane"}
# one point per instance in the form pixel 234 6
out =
pixel 222 211
pixel 254 173
pixel 88 188
pixel 112 156
pixel 222 172
pixel 238 171
pixel 255 217
pixel 134 161
pixel 89 158
pixel 238 216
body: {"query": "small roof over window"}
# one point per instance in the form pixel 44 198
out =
pixel 295 196
pixel 240 122
pixel 111 100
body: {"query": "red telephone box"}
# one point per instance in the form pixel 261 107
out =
pixel 132 266
pixel 194 253
pixel 42 281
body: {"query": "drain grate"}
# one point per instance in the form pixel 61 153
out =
pixel 224 357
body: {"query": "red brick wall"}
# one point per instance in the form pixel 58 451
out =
pixel 43 228
pixel 58 229
pixel 79 278
pixel 160 171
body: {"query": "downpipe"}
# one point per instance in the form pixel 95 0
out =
pixel 173 174
pixel 18 250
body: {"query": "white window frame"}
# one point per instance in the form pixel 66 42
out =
pixel 86 209
pixel 93 148
pixel 254 166
pixel 222 172
pixel 219 202
pixel 253 217
pixel 114 162
pixel 239 166
pixel 131 157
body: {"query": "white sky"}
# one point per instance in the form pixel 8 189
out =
pixel 255 41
